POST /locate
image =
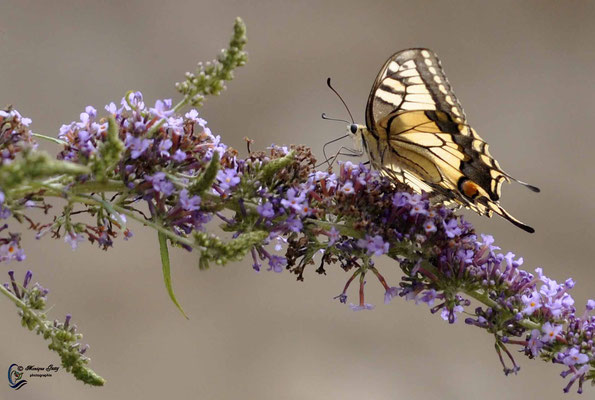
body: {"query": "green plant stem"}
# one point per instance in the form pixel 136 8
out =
pixel 99 187
pixel 343 229
pixel 157 227
pixel 49 138
pixel 102 187
pixel 19 303
pixel 482 297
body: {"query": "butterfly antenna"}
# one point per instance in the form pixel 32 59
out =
pixel 328 82
pixel 325 117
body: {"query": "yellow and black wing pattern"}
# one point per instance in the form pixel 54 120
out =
pixel 417 134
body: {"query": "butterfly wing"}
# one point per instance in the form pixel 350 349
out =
pixel 422 137
pixel 410 80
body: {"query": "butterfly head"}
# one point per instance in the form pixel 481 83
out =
pixel 357 132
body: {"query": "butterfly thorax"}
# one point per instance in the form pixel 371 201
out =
pixel 387 162
pixel 366 141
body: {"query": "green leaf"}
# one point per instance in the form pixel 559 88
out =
pixel 34 166
pixel 166 270
pixel 207 178
pixel 109 152
pixel 110 209
pixel 274 166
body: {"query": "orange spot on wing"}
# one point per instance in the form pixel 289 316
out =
pixel 470 189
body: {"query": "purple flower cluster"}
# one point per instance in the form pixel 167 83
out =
pixel 15 135
pixel 11 251
pixel 36 294
pixel 163 154
pixel 374 245
pixel 156 165
pixel 10 244
pixel 443 260
pixel 523 296
pixel 83 135
pixel 175 140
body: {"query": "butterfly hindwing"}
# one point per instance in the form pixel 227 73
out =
pixel 417 134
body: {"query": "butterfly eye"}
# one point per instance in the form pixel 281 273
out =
pixel 353 128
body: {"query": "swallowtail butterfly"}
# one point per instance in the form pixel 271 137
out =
pixel 416 133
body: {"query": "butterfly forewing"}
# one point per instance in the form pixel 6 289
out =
pixel 412 80
pixel 417 134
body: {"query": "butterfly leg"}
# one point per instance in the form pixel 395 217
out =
pixel 343 151
pixel 331 142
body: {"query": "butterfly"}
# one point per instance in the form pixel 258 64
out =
pixel 416 133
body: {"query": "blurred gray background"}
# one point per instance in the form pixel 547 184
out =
pixel 524 72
